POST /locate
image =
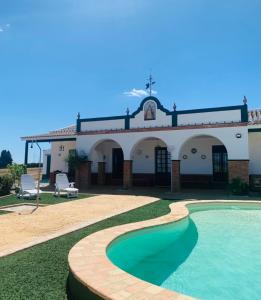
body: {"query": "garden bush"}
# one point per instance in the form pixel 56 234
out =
pixel 16 171
pixel 6 183
pixel 238 187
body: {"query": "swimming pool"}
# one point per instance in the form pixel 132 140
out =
pixel 212 254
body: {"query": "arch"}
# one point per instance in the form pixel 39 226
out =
pixel 203 162
pixel 101 141
pixel 199 136
pixel 151 162
pixel 107 158
pixel 145 139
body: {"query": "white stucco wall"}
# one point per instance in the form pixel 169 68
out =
pixel 213 117
pixel 255 153
pixel 58 157
pixel 194 164
pixel 144 156
pixel 103 125
pixel 174 139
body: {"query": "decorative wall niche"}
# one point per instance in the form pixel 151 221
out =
pixel 150 110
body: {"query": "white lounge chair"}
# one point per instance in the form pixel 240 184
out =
pixel 62 184
pixel 27 187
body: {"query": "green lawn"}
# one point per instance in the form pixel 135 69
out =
pixel 46 198
pixel 41 272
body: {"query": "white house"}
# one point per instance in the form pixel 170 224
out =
pixel 155 146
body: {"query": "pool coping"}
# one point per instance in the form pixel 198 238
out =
pixel 89 264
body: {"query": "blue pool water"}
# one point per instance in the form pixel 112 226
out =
pixel 213 254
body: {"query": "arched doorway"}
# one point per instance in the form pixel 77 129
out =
pixel 107 162
pixel 203 163
pixel 151 162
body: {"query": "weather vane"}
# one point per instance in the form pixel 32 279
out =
pixel 150 84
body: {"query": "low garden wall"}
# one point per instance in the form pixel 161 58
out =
pixel 31 171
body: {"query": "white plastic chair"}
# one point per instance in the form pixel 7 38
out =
pixel 27 187
pixel 62 184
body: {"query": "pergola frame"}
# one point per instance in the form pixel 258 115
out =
pixel 27 142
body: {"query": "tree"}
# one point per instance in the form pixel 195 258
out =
pixel 74 160
pixel 16 172
pixel 5 158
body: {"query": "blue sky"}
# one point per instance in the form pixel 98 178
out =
pixel 58 57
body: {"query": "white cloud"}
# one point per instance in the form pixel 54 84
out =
pixel 138 93
pixel 4 27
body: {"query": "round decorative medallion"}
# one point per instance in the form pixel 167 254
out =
pixel 194 150
pixel 185 156
pixel 203 156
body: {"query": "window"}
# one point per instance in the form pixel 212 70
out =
pixel 220 165
pixel 163 161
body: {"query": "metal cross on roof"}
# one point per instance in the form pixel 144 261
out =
pixel 150 84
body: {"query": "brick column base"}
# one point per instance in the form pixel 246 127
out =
pixel 175 176
pixel 101 173
pixel 127 174
pixel 238 168
pixel 52 178
pixel 83 175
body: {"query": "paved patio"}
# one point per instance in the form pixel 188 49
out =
pixel 19 231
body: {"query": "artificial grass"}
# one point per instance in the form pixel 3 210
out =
pixel 41 272
pixel 46 198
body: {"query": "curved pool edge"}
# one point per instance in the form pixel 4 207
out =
pixel 93 271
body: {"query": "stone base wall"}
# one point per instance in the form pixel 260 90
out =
pixel 52 178
pixel 238 168
pixel 83 175
pixel 255 182
pixel 175 176
pixel 127 174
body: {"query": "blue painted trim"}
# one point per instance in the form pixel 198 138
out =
pixel 26 153
pixel 254 130
pixel 200 110
pixel 79 121
pixel 238 159
pixel 242 108
pixel 127 122
pixel 51 140
pixel 78 125
pixel 174 114
pixel 174 119
pixel 102 119
pixel 244 113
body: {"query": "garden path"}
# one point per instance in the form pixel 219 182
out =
pixel 20 231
